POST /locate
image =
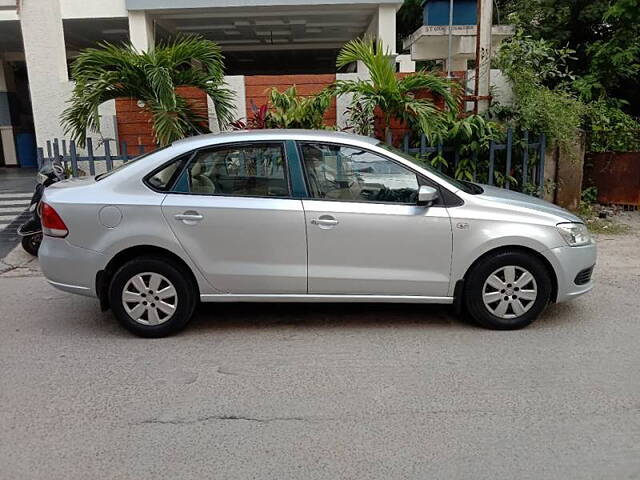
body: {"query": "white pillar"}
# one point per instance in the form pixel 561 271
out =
pixel 236 84
pixel 343 101
pixel 458 64
pixel 486 20
pixel 383 27
pixel 141 30
pixel 44 49
pixel 6 129
pixel 405 64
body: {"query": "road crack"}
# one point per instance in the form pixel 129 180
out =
pixel 209 418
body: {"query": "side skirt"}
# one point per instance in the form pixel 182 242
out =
pixel 324 298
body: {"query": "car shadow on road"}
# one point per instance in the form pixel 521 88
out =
pixel 219 317
pixel 224 316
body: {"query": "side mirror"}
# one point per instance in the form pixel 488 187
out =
pixel 427 195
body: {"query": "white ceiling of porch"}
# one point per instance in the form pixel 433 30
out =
pixel 272 28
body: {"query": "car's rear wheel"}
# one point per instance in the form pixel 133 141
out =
pixel 152 296
pixel 508 290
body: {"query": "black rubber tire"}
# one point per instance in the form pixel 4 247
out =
pixel 176 274
pixel 31 243
pixel 479 274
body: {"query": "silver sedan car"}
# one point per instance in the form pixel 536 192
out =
pixel 305 216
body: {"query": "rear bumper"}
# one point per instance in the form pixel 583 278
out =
pixel 70 268
pixel 568 262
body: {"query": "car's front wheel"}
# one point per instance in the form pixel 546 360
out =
pixel 508 290
pixel 152 296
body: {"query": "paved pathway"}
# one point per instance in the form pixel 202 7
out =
pixel 16 189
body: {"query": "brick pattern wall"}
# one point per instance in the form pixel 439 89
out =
pixel 134 126
pixel 257 86
pixel 399 128
pixel 134 123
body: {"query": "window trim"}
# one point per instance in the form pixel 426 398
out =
pixel 192 154
pixel 184 157
pixel 421 179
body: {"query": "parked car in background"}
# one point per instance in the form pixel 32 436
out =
pixel 305 216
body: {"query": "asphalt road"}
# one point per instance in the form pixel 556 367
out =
pixel 326 392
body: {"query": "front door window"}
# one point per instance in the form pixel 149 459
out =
pixel 336 172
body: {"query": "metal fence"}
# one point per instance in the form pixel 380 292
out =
pixel 57 149
pixel 516 164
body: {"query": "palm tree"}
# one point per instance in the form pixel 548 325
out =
pixel 395 96
pixel 113 71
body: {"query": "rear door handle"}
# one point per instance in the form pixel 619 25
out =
pixel 189 217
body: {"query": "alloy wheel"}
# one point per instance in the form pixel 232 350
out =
pixel 149 298
pixel 509 292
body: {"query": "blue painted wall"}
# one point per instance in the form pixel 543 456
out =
pixel 436 12
pixel 26 150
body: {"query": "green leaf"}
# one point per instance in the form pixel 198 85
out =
pixel 115 71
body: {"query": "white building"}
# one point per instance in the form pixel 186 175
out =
pixel 39 39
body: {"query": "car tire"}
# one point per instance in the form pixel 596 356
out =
pixel 31 243
pixel 152 296
pixel 507 291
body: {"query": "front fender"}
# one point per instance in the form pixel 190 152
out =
pixel 474 238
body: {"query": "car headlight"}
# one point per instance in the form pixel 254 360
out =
pixel 575 234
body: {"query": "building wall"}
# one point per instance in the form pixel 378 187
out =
pixel 93 8
pixel 258 86
pixel 500 87
pixel 134 124
pixel 134 127
pixel 166 4
pixel 45 53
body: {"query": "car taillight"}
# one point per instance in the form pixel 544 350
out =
pixel 52 224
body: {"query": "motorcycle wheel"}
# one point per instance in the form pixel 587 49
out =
pixel 31 243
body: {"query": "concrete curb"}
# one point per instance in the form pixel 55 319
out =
pixel 19 263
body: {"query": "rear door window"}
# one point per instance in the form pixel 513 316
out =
pixel 247 170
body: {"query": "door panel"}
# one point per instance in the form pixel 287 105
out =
pixel 378 249
pixel 365 233
pixel 242 244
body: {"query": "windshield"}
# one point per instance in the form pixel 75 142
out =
pixel 467 187
pixel 125 165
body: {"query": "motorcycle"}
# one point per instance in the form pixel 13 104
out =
pixel 31 230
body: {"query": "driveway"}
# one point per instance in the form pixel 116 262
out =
pixel 323 391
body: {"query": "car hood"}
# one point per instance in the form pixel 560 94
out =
pixel 520 200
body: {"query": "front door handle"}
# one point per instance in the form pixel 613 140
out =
pixel 189 217
pixel 325 221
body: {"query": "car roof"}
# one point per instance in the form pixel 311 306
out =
pixel 274 134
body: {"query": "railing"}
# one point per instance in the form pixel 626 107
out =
pixel 57 149
pixel 521 166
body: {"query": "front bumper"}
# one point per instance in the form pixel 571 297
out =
pixel 70 268
pixel 568 262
